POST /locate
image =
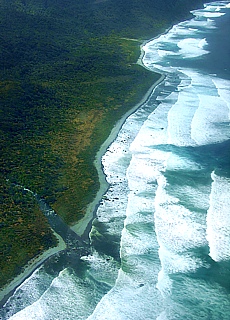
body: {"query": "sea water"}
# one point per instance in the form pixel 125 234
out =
pixel 160 243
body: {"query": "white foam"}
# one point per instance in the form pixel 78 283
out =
pixel 142 171
pixel 153 133
pixel 176 228
pixel 129 299
pixel 29 291
pixel 173 262
pixel 210 123
pixel 211 10
pixel 218 219
pixel 136 243
pixel 184 40
pixel 102 268
pixel 197 196
pixel 180 117
pixel 164 53
pixel 202 105
pixel 181 30
pixel 67 298
pixel 205 24
pixel 207 14
pixel 216 6
pixel 194 298
pixel 154 129
pixel 180 163
pixel 164 283
pixel 181 35
pixel 223 88
pixel 203 43
pixel 180 229
pixel 192 47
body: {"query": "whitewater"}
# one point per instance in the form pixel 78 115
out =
pixel 160 242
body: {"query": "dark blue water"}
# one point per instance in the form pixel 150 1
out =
pixel 160 245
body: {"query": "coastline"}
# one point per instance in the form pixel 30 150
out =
pixel 33 264
pixel 83 226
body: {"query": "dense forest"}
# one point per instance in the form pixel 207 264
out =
pixel 68 72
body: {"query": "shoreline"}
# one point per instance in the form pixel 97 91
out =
pixel 83 226
pixel 32 265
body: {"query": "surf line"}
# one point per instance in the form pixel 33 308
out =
pixel 83 226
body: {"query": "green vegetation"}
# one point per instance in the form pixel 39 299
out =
pixel 67 74
pixel 24 233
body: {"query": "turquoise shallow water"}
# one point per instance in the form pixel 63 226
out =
pixel 160 244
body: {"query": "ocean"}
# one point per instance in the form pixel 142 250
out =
pixel 160 242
